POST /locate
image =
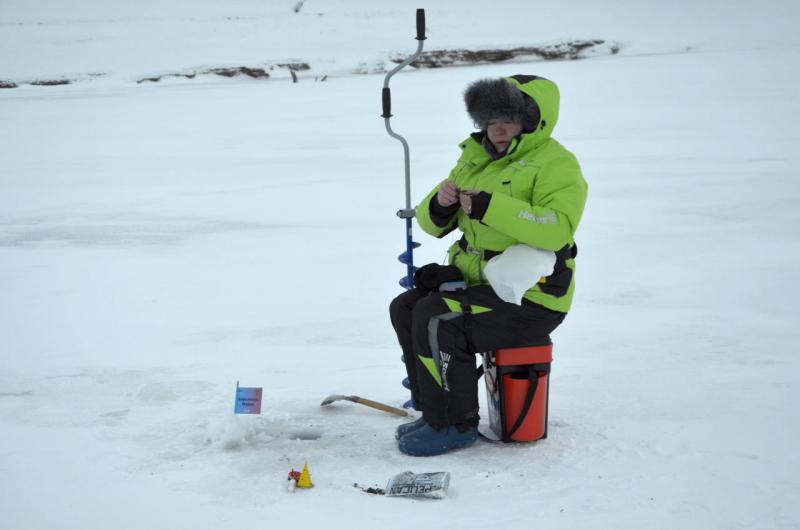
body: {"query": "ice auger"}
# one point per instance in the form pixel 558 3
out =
pixel 406 213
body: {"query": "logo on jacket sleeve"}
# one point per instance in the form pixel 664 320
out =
pixel 548 219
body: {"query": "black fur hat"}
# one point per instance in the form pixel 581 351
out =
pixel 489 99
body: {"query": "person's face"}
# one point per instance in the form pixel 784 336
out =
pixel 501 132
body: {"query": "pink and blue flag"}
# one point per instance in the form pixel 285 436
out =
pixel 248 399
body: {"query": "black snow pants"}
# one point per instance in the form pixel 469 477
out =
pixel 440 333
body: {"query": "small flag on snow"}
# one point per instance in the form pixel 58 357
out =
pixel 248 400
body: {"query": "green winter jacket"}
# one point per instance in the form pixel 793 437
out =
pixel 537 198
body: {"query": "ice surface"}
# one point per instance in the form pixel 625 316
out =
pixel 159 242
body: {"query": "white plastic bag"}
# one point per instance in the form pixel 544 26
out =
pixel 517 269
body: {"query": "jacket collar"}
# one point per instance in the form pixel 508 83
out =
pixel 478 147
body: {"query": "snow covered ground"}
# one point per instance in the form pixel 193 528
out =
pixel 160 241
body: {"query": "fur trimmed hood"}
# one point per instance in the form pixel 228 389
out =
pixel 531 100
pixel 491 99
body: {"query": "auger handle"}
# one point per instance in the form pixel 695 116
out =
pixel 387 103
pixel 387 93
pixel 420 24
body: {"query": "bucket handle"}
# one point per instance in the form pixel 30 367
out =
pixel 533 382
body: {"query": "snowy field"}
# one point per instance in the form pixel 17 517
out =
pixel 160 241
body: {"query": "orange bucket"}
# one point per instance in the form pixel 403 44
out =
pixel 517 384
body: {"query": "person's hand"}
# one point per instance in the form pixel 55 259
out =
pixel 465 198
pixel 448 193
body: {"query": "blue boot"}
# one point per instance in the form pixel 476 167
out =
pixel 427 441
pixel 410 403
pixel 406 428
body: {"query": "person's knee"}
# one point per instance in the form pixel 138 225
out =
pixel 401 306
pixel 396 307
pixel 428 307
pixel 451 336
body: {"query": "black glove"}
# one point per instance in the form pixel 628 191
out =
pixel 480 203
pixel 429 277
pixel 441 215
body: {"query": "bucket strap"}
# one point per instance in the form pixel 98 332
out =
pixel 533 382
pixel 466 308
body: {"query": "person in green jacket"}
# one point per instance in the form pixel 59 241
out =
pixel 514 186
